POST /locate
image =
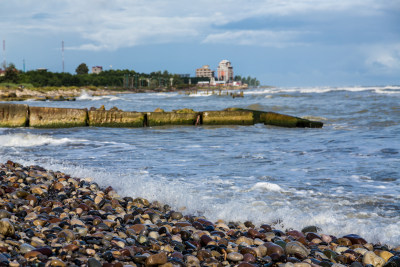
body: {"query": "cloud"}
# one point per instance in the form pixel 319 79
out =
pixel 110 25
pixel 383 58
pixel 256 37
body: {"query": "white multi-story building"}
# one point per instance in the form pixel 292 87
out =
pixel 225 71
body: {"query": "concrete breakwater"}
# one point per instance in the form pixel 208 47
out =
pixel 20 115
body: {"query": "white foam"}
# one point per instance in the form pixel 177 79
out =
pixel 29 140
pixel 267 187
pixel 184 196
pixel 309 90
pixel 87 96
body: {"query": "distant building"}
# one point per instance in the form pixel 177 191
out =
pixel 184 75
pixel 225 71
pixel 97 69
pixel 205 71
pixel 2 72
pixel 42 69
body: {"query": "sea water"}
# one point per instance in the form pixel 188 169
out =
pixel 343 178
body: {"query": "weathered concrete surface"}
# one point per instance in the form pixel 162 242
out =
pixel 46 117
pixel 12 115
pixel 228 117
pixel 271 118
pixel 171 118
pixel 103 118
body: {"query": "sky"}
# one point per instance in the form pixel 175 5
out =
pixel 280 42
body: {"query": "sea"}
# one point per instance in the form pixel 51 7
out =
pixel 343 178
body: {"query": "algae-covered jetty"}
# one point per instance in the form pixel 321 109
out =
pixel 21 115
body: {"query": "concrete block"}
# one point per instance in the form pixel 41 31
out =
pixel 171 118
pixel 228 117
pixel 13 115
pixel 46 117
pixel 103 118
pixel 276 119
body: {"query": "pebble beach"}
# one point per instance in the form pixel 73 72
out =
pixel 48 218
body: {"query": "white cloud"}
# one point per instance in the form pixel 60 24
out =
pixel 256 37
pixel 109 25
pixel 383 58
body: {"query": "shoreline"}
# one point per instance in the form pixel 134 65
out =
pixel 69 94
pixel 50 218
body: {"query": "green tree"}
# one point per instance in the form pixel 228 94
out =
pixel 82 69
pixel 11 74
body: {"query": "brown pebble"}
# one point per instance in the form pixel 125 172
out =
pixel 345 242
pixel 205 239
pixel 203 254
pixel 157 259
pixel 245 264
pixel 249 257
pixel 138 227
pixel 248 250
pixel 58 186
pixel 274 249
pixel 57 262
pixel 31 254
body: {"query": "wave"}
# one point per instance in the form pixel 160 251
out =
pixel 29 140
pixel 85 96
pixel 267 187
pixel 282 211
pixel 310 90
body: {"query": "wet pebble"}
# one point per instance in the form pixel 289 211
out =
pixel 235 256
pixel 51 219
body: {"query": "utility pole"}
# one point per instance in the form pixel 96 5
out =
pixel 62 49
pixel 4 54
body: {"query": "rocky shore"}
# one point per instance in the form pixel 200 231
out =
pixel 48 218
pixel 69 94
pixel 62 94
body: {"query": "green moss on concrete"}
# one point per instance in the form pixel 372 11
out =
pixel 184 110
pixel 117 119
pixel 235 117
pixel 271 118
pixel 46 117
pixel 12 115
pixel 171 118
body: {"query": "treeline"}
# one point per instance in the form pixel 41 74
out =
pixel 247 80
pixel 110 78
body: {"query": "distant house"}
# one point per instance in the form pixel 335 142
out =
pixel 97 69
pixel 205 71
pixel 2 72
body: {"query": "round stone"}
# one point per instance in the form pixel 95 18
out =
pixel 373 259
pixel 24 248
pixel 297 249
pixel 155 235
pixel 235 256
pixel 92 262
pixel 57 262
pixel 4 214
pixel 157 259
pixel 386 255
pixel 274 249
pixel 249 257
pixel 6 227
pixel 176 215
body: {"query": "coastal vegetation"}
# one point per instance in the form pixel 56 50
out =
pixel 120 79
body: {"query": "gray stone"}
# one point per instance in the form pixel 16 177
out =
pixel 296 248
